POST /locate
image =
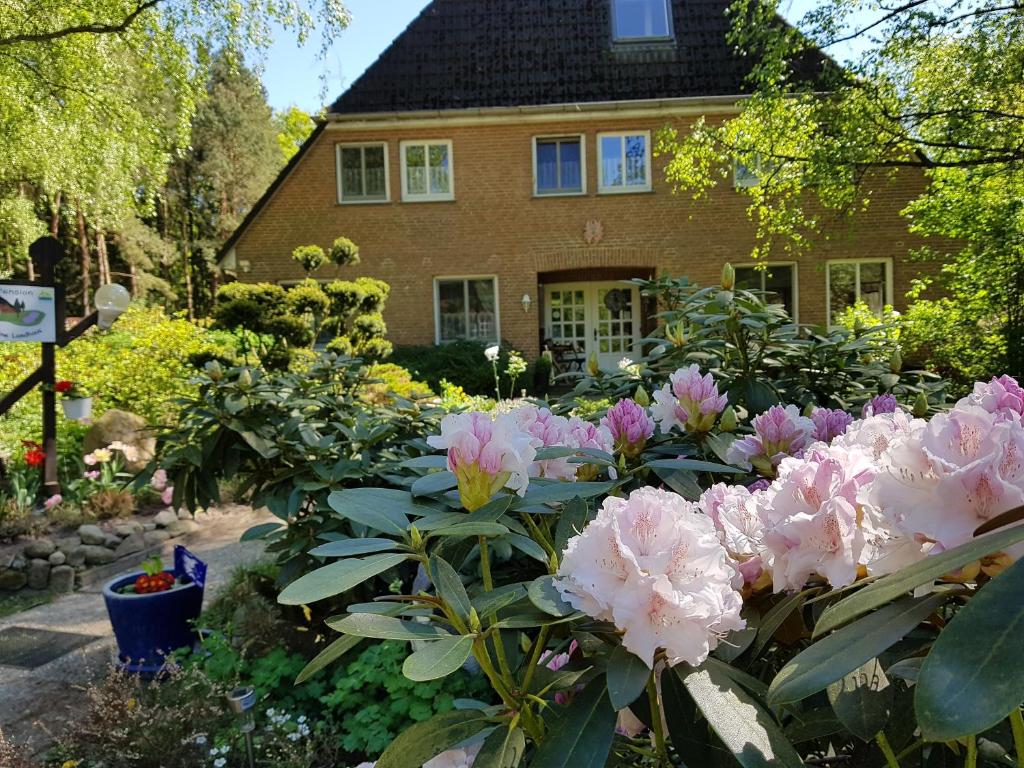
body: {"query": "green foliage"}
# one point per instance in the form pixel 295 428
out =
pixel 460 363
pixel 310 257
pixel 885 330
pixel 293 128
pixel 344 252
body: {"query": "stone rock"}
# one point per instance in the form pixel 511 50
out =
pixel 125 530
pixel 68 543
pixel 62 579
pixel 155 537
pixel 91 534
pixel 57 558
pixel 6 558
pixel 97 555
pixel 18 564
pixel 38 574
pixel 165 517
pixel 125 427
pixel 12 580
pixel 132 544
pixel 181 527
pixel 76 556
pixel 110 541
pixel 39 548
pixel 149 526
pixel 184 514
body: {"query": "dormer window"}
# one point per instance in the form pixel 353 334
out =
pixel 641 20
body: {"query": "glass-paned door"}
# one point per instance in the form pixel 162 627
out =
pixel 593 317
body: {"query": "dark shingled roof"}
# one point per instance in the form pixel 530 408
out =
pixel 460 54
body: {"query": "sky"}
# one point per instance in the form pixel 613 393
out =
pixel 298 76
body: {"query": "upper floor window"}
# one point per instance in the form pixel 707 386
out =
pixel 641 19
pixel 362 173
pixel 777 282
pixel 427 171
pixel 851 281
pixel 466 308
pixel 558 166
pixel 625 163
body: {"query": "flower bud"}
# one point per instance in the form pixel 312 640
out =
pixel 809 410
pixel 728 420
pixel 676 333
pixel 415 538
pixel 896 362
pixel 474 620
pixel 728 277
pixel 642 398
pixel 213 370
pixel 593 366
pixel 245 379
pixel 921 405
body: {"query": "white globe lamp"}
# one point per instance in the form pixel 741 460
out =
pixel 111 301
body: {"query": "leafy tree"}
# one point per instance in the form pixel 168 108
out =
pixel 926 88
pixel 293 128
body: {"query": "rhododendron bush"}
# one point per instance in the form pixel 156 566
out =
pixel 694 580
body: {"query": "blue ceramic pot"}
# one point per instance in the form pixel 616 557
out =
pixel 148 627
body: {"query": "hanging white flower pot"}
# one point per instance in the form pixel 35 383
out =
pixel 77 410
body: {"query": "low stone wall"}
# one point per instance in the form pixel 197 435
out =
pixel 56 563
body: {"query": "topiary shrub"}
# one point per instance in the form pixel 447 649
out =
pixel 344 252
pixel 310 257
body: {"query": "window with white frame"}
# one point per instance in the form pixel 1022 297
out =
pixel 558 165
pixel 466 308
pixel 427 171
pixel 865 280
pixel 362 173
pixel 776 281
pixel 641 19
pixel 625 162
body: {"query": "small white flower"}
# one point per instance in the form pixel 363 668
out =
pixel 201 739
pixel 214 752
pixel 491 353
pixel 220 762
pixel 271 712
pixel 294 736
pixel 302 719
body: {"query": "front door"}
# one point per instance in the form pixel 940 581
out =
pixel 594 317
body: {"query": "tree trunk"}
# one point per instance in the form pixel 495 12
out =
pixel 83 247
pixel 133 277
pixel 186 244
pixel 101 256
pixel 55 219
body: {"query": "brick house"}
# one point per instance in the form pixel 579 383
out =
pixel 495 167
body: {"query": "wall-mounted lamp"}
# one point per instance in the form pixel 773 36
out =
pixel 111 301
pixel 527 302
pixel 244 265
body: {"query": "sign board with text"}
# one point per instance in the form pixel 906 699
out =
pixel 28 312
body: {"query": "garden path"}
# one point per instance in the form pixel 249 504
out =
pixel 36 703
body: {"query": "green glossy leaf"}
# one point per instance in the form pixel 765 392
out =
pixel 438 658
pixel 584 733
pixel 694 465
pixel 449 587
pixel 775 618
pixel 260 531
pixel 746 728
pixel 544 595
pixel 811 725
pixel 554 452
pixel 426 740
pixel 470 529
pixel 563 491
pixel 923 572
pixel 336 578
pixel 492 511
pixel 528 547
pixel 338 648
pixel 386 627
pixel 504 748
pixel 840 653
pixel 349 547
pixel 438 461
pixel 487 603
pixel 687 730
pixel 574 518
pixel 974 675
pixel 627 677
pixel 434 483
pixel 382 509
pixel 862 700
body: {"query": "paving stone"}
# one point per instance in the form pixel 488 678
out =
pixel 38 574
pixel 97 555
pixel 39 548
pixel 91 534
pixel 136 542
pixel 165 517
pixel 62 579
pixel 12 580
pixel 57 558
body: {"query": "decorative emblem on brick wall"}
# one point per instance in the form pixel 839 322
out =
pixel 593 232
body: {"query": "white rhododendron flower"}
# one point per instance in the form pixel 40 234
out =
pixel 491 353
pixel 455 758
pixel 653 565
pixel 485 454
pixel 736 513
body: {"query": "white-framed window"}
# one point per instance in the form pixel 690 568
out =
pixel 749 175
pixel 778 281
pixel 848 281
pixel 559 165
pixel 363 173
pixel 466 307
pixel 641 19
pixel 624 163
pixel 427 170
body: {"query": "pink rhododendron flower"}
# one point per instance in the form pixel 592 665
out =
pixel 485 454
pixel 630 427
pixel 944 479
pixel 92 474
pixel 167 497
pixel 627 724
pixel 53 501
pixel 159 480
pixel 735 513
pixel 778 432
pixel 876 433
pixel 548 431
pixel 689 401
pixel 880 404
pixel 812 519
pixel 1002 396
pixel 759 485
pixel 653 565
pixel 829 423
pixel 583 434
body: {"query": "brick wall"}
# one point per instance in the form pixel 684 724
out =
pixel 495 226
